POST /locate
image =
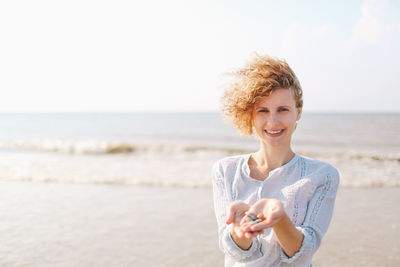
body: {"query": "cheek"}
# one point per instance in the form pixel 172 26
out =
pixel 290 122
pixel 257 121
pixel 259 126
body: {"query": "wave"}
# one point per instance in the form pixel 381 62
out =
pixel 161 164
pixel 375 183
pixel 353 155
pixel 115 181
pixel 92 147
pixel 106 147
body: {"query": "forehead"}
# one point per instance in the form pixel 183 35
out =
pixel 279 97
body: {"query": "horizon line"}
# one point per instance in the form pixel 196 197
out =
pixel 190 112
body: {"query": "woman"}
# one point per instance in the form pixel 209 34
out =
pixel 291 196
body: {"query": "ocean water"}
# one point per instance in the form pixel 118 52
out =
pixel 166 149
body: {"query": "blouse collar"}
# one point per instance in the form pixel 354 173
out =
pixel 279 169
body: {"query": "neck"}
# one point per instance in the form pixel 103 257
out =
pixel 273 157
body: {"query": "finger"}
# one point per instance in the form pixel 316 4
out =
pixel 246 227
pixel 230 219
pixel 258 232
pixel 244 220
pixel 248 224
pixel 254 234
pixel 241 234
pixel 234 210
pixel 248 235
pixel 261 226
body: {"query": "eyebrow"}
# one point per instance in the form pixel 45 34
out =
pixel 261 107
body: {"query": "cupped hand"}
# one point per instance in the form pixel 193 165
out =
pixel 236 214
pixel 271 209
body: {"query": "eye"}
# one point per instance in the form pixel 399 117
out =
pixel 263 110
pixel 283 109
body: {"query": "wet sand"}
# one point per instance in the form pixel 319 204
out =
pixel 55 224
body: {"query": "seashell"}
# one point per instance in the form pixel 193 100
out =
pixel 261 216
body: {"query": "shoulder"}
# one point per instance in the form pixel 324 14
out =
pixel 321 172
pixel 230 163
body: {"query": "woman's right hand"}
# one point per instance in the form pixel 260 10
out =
pixel 236 213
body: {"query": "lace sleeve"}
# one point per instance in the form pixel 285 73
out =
pixel 221 204
pixel 317 220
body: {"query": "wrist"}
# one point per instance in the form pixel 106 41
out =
pixel 289 237
pixel 242 242
pixel 283 222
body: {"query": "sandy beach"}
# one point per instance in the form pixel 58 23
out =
pixel 57 224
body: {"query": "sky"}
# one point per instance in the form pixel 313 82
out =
pixel 173 56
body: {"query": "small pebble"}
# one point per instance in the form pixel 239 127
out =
pixel 251 216
pixel 254 222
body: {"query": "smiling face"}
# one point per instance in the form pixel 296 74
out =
pixel 275 117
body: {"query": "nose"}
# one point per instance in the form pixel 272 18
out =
pixel 273 119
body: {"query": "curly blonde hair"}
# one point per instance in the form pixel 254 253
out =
pixel 260 77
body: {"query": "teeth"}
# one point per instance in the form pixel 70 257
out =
pixel 273 132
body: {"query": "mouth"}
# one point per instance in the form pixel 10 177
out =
pixel 274 133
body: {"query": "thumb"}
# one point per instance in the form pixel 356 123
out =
pixel 231 215
pixel 232 211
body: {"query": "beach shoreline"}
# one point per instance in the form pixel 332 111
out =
pixel 59 224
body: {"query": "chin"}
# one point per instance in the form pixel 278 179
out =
pixel 275 144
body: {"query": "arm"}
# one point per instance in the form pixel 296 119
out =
pixel 299 243
pixel 237 211
pixel 288 236
pixel 230 244
pixel 317 219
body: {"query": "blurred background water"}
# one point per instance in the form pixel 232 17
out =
pixel 178 149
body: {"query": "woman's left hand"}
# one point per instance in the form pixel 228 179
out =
pixel 272 210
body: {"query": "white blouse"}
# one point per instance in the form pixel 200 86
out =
pixel 307 189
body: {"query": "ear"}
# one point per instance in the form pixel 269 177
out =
pixel 299 110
